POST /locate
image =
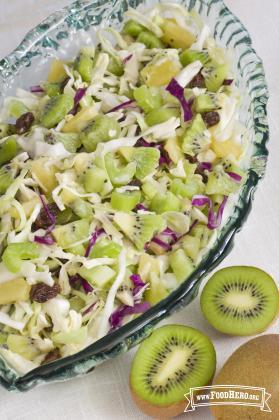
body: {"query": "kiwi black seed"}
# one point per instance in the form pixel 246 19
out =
pixel 240 300
pixel 173 359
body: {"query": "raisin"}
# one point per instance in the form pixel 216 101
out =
pixel 41 292
pixel 190 158
pixel 197 81
pixel 199 171
pixel 24 122
pixel 51 356
pixel 211 118
pixel 42 221
pixel 135 183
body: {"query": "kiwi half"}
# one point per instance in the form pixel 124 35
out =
pixel 240 300
pixel 173 359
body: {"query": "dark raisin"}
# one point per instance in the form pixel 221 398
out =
pixel 135 183
pixel 42 221
pixel 198 81
pixel 199 171
pixel 41 292
pixel 190 158
pixel 51 356
pixel 211 118
pixel 24 122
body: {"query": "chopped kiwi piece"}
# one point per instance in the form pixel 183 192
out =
pixel 240 300
pixel 94 179
pixel 125 201
pixel 206 102
pixel 100 276
pixel 149 189
pixel 67 235
pixel 15 253
pixel 4 130
pixel 189 56
pixel 65 216
pixel 70 141
pixel 175 36
pixel 139 228
pixel 56 109
pixel 147 98
pixel 6 178
pixel 17 108
pixel 166 365
pixel 191 246
pixel 191 186
pixel 119 174
pixel 12 291
pixel 194 140
pixel 84 65
pixel 214 76
pixel 105 248
pixel 150 40
pixel 8 150
pixel 162 203
pixel 82 208
pixel 115 66
pixel 22 345
pixel 160 115
pixel 147 160
pixel 203 233
pixel 220 183
pixel 181 265
pixel 156 291
pixel 103 129
pixel 133 28
pixel 52 89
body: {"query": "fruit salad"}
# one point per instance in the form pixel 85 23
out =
pixel 115 173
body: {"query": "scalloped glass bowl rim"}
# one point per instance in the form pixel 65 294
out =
pixel 112 344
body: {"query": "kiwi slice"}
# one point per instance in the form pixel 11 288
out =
pixel 119 174
pixel 189 56
pixel 149 40
pixel 194 140
pixel 240 300
pixel 139 228
pixel 56 109
pixel 84 65
pixel 125 201
pixel 214 76
pixel 133 28
pixel 219 182
pixel 8 150
pixel 173 359
pixel 206 102
pixel 6 178
pixel 103 129
pixel 66 235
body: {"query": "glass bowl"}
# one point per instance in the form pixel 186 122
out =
pixel 61 35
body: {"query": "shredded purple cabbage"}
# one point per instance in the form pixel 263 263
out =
pixel 140 207
pixel 126 104
pixel 77 280
pixel 214 219
pixel 161 243
pixel 44 240
pixel 205 166
pixel 36 89
pixel 143 143
pixel 78 96
pixel 236 177
pixel 126 59
pixel 177 91
pixel 89 309
pixel 124 310
pixel 169 232
pixel 227 82
pixel 95 235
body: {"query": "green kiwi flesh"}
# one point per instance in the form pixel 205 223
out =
pixel 240 300
pixel 169 362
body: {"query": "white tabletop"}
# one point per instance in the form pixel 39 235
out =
pixel 104 393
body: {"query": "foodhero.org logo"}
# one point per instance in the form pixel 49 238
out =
pixel 227 395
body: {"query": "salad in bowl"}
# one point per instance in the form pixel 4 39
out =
pixel 115 174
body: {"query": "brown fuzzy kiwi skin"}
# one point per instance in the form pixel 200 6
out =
pixel 156 411
pixel 160 412
pixel 254 364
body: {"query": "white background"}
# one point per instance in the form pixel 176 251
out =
pixel 104 393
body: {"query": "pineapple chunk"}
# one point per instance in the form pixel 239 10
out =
pixel 45 173
pixel 14 291
pixel 176 36
pixel 57 72
pixel 173 149
pixel 160 72
pixel 80 120
pixel 226 148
